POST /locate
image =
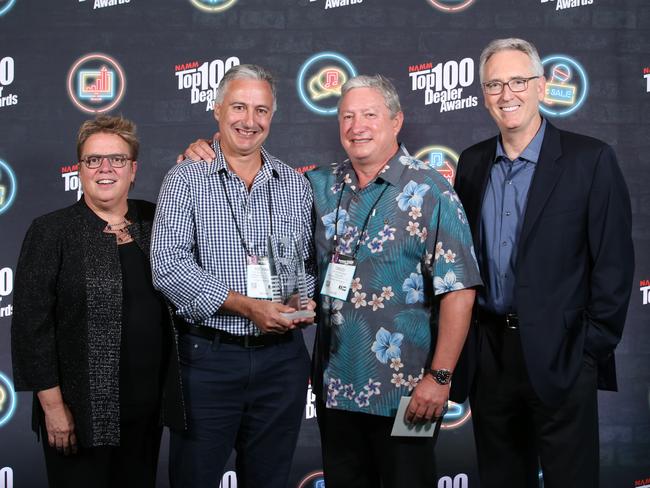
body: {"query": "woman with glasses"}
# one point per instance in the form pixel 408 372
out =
pixel 90 336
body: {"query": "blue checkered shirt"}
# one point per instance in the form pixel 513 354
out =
pixel 197 256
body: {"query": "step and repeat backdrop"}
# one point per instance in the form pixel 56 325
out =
pixel 160 62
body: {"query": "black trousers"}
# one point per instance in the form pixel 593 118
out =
pixel 247 399
pixel 515 432
pixel 132 464
pixel 359 452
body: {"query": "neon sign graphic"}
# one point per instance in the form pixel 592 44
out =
pixel 326 83
pixel 440 158
pixel 7 186
pixel 321 78
pixel 7 400
pixel 451 6
pixel 566 88
pixel 213 6
pixel 96 85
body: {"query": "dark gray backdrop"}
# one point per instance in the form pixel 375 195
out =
pixel 609 39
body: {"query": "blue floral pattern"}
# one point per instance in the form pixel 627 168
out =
pixel 412 195
pixel 386 345
pixel 328 222
pixel 414 288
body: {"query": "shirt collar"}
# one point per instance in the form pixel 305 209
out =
pixel 391 172
pixel 269 165
pixel 532 150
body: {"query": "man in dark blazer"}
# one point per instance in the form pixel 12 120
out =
pixel 551 221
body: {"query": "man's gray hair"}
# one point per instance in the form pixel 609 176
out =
pixel 512 44
pixel 378 82
pixel 247 72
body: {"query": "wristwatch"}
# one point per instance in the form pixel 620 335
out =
pixel 440 376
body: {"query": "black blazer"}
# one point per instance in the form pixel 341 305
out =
pixel 575 259
pixel 66 327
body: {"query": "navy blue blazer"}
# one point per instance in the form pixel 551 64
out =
pixel 575 261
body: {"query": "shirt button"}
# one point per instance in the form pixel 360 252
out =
pixel 507 214
pixel 509 182
pixel 504 243
pixel 355 199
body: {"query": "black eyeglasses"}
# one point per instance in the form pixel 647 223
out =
pixel 516 85
pixel 94 161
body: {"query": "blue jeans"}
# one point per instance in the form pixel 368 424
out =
pixel 248 399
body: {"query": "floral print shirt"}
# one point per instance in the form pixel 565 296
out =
pixel 416 245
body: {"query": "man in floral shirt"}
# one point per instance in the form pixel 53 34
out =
pixel 393 245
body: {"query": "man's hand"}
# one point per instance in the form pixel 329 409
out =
pixel 427 401
pixel 58 421
pixel 311 306
pixel 198 150
pixel 267 316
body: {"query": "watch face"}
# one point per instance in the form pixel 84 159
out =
pixel 442 376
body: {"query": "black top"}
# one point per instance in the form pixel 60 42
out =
pixel 144 345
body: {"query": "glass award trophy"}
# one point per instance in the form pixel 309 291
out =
pixel 288 276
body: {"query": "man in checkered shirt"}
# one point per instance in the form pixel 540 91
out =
pixel 244 364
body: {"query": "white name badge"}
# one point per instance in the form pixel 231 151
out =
pixel 338 279
pixel 258 278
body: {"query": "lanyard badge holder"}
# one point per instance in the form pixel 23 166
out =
pixel 339 276
pixel 259 283
pixel 341 269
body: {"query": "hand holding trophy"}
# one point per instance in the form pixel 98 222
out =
pixel 288 277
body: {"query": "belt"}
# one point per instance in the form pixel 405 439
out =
pixel 508 321
pixel 246 341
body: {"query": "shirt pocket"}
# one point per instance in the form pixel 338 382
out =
pixel 285 223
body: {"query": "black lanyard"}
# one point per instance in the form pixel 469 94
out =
pixel 365 222
pixel 232 210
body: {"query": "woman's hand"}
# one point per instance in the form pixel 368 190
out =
pixel 59 422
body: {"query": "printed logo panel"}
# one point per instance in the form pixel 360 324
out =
pixel 644 288
pixel 7 76
pixel 106 3
pixel 568 4
pixel 460 480
pixel 202 79
pixel 6 478
pixel 443 84
pixel 6 289
pixel 71 181
pixel 329 4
